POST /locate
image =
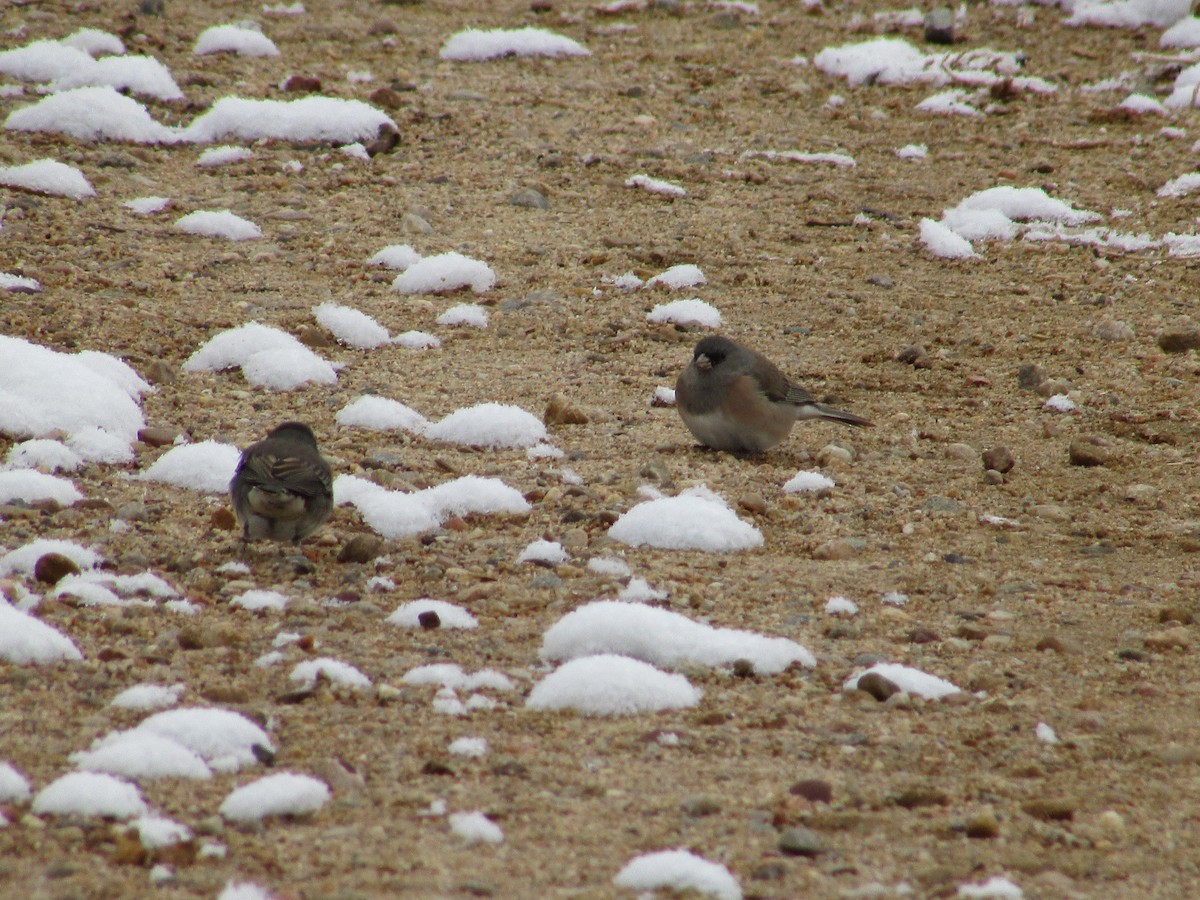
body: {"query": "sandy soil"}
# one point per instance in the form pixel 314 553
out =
pixel 1078 613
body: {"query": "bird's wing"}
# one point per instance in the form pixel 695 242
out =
pixel 296 473
pixel 777 386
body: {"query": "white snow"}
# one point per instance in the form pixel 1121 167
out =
pixel 23 560
pixel 914 681
pixel 258 600
pixel 243 40
pixel 206 466
pixel 136 74
pixel 30 486
pixel 609 685
pixel 44 61
pixel 808 482
pixel 14 787
pixel 1141 103
pixel 445 272
pixel 306 119
pixel 953 102
pixel 25 639
pixel 541 551
pixel 842 160
pixel 89 794
pixel 452 676
pixel 996 887
pixel 417 340
pixel 475 828
pixel 148 696
pixel 1184 33
pixel 222 156
pixel 159 831
pixel 490 425
pixel 221 737
pixel 351 327
pixel 470 314
pixel 94 41
pixel 680 870
pixel 684 275
pixel 221 223
pixel 307 673
pixel 1060 403
pixel 281 794
pixel 697 519
pixel 395 256
pixel 92 113
pixel 664 638
pixel 1180 186
pixel 1045 733
pixel 841 606
pixel 663 396
pixel 944 243
pixel 913 151
pixel 469 746
pixel 655 186
pixel 146 206
pixel 381 414
pixel 686 312
pixel 894 598
pixel 243 890
pixel 268 357
pixel 474 45
pixel 141 755
pixel 48 176
pixel 44 393
pixel 609 566
pixel 19 283
pixel 1127 13
pixel 639 591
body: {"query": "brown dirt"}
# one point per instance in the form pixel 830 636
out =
pixel 1091 573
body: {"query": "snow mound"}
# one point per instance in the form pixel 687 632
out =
pixel 207 466
pixel 282 794
pixel 681 870
pixel 90 794
pixel 48 176
pixel 610 685
pixel 490 425
pixel 474 45
pixel 697 519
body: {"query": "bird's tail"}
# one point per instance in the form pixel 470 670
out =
pixel 821 411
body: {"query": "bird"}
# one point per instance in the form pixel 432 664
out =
pixel 283 487
pixel 732 398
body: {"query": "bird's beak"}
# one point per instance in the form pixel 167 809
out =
pixel 703 363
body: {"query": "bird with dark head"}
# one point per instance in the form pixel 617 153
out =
pixel 283 488
pixel 732 398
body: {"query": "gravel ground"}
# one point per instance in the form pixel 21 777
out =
pixel 1076 609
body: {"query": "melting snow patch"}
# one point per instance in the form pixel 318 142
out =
pixel 417 340
pixel 469 746
pixel 914 681
pixel 207 466
pixel 445 272
pixel 90 794
pixel 14 787
pixel 141 755
pixel 282 794
pixel 25 639
pixel 222 156
pixel 684 275
pixel 92 113
pixel 381 414
pixel 307 119
pixel 996 887
pixel 351 327
pixel 395 256
pixel 610 685
pixel 452 676
pixel 808 482
pixel 490 425
pixel 224 739
pixel 840 160
pixel 1061 403
pixel 218 224
pixel 240 39
pixel 476 828
pixel 655 186
pixel 474 45
pixel 29 486
pixel 258 600
pixel 148 696
pixel 841 605
pixel 1045 733
pixel 48 176
pixel 307 673
pixel 697 519
pixel 268 358
pixel 470 314
pixel 680 870
pixel 686 312
pixel 664 638
pixel 545 552
pixel 145 206
pixel 1127 14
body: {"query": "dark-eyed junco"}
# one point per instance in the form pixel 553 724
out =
pixel 282 489
pixel 732 398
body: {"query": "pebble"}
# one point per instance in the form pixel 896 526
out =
pixel 1111 822
pixel 1053 386
pixel 547 580
pixel 51 568
pixel 700 805
pixel 880 281
pixel 832 456
pixel 529 198
pixel 1088 452
pixel 1051 512
pixel 303 84
pixel 1114 330
pixel 813 789
pixel 361 548
pixel 922 635
pixel 743 668
pixel 753 502
pixel 429 619
pixel 991 476
pixel 983 825
pixel 878 686
pixel 1169 639
pixel 839 548
pixel 411 223
pixel 159 435
pixel 998 459
pixel 1179 341
pixel 560 411
pixel 913 355
pixel 1056 644
pixel 920 795
pixel 800 841
pixel 1050 809
pixel 961 452
pixel 1029 376
pixel 939 26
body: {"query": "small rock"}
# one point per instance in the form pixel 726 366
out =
pixel 1169 639
pixel 999 459
pixel 743 668
pixel 159 435
pixel 813 789
pixel 1054 643
pixel 1114 330
pixel 1087 452
pixel 753 503
pixel 51 568
pixel 839 548
pixel 1179 341
pixel 160 372
pixel 961 452
pixel 1111 822
pixel 362 548
pixel 560 411
pixel 700 805
pixel 833 456
pixel 991 476
pixel 1050 809
pixel 387 139
pixel 411 223
pixel 878 686
pixel 921 795
pixel 983 825
pixel 923 635
pixel 880 281
pixel 1182 615
pixel 939 26
pixel 429 619
pixel 316 338
pixel 1052 512
pixel 1029 376
pixel 800 841
pixel 383 26
pixel 340 776
pixel 529 199
pixel 222 519
pixel 387 97
pixel 303 84
pixel 912 354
